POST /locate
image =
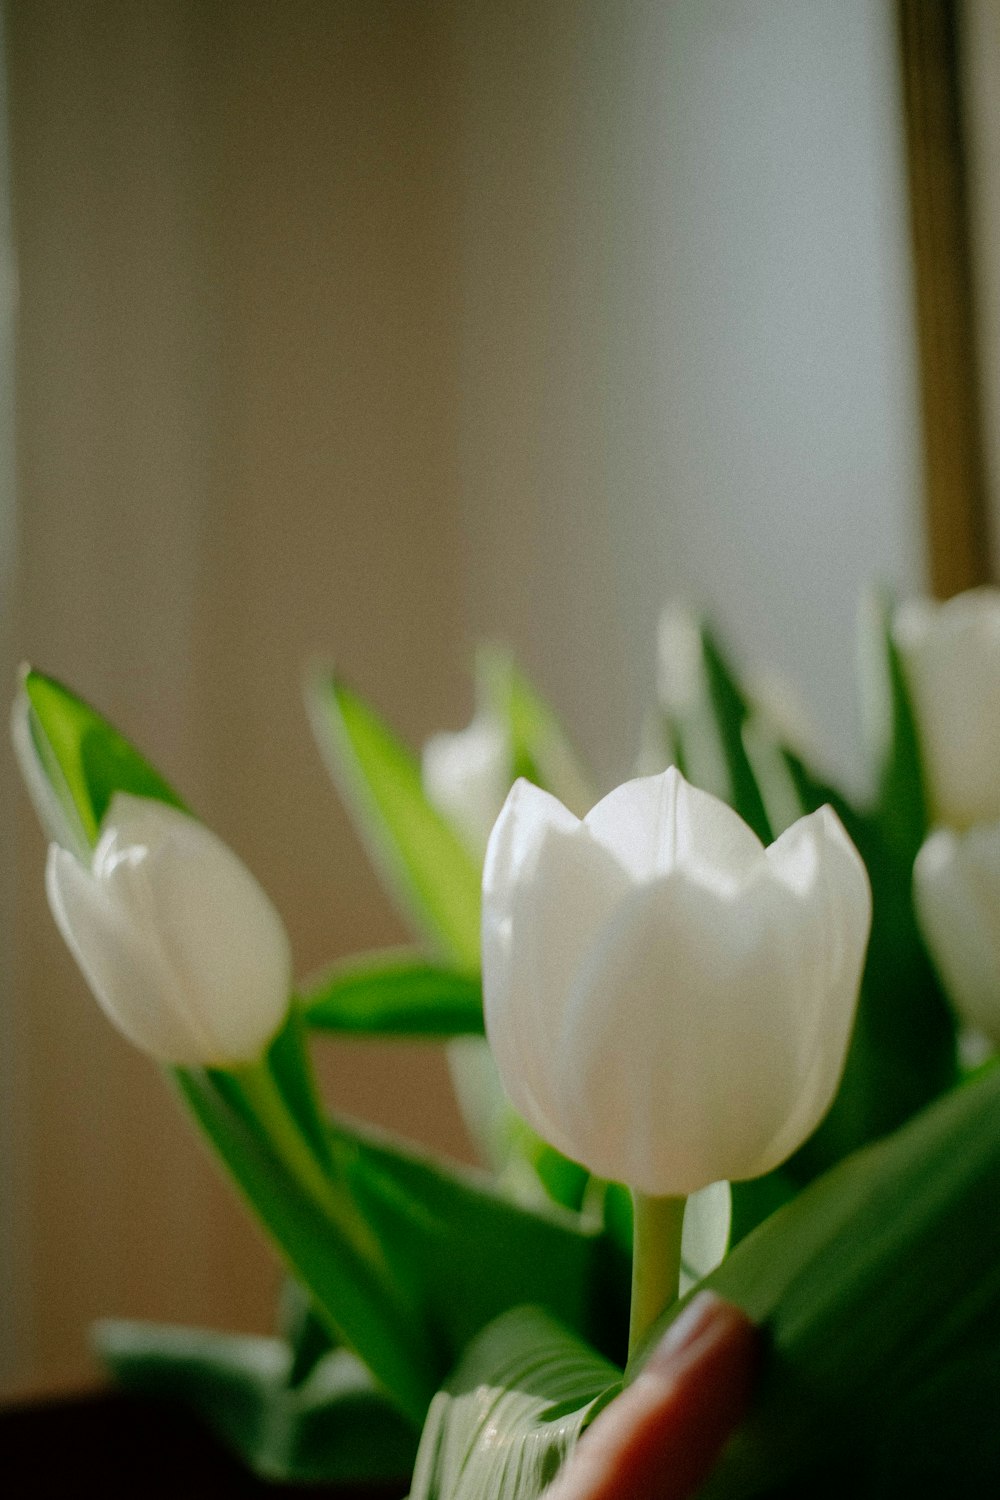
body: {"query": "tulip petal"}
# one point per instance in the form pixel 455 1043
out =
pixel 546 887
pixel 670 1067
pixel 816 859
pixel 126 983
pixel 527 815
pixel 656 823
pixel 180 944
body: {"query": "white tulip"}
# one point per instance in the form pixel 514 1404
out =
pixel 467 775
pixel 178 942
pixel 951 658
pixel 956 881
pixel 669 1002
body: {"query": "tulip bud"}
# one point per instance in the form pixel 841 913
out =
pixel 178 942
pixel 679 659
pixel 951 658
pixel 956 881
pixel 467 775
pixel 669 1002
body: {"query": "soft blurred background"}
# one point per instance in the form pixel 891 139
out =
pixel 369 329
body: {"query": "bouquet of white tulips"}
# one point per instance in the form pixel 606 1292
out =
pixel 721 1027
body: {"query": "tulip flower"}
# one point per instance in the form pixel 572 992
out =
pixel 467 775
pixel 956 881
pixel 951 658
pixel 669 1002
pixel 180 945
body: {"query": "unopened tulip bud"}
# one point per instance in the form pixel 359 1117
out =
pixel 951 657
pixel 956 882
pixel 467 775
pixel 669 1002
pixel 180 945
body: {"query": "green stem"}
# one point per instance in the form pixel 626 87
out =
pixel 290 1144
pixel 295 1151
pixel 656 1261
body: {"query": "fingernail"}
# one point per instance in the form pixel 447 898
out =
pixel 706 1318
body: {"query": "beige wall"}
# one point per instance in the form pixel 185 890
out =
pixel 236 403
pixel 688 360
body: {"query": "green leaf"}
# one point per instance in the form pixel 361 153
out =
pixel 335 1426
pixel 540 749
pixel 422 859
pixel 706 732
pixel 74 762
pixel 290 1066
pixel 731 711
pixel 564 1181
pixel 335 1256
pixel 394 993
pixel 471 1253
pixel 303 1328
pixel 758 1199
pixel 511 1412
pixel 891 731
pixel 879 1289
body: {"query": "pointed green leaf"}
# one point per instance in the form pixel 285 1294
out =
pixel 304 1330
pixel 74 761
pixel 730 710
pixel 335 1426
pixel 540 749
pixel 512 1411
pixel 891 730
pixel 564 1181
pixel 393 993
pixel 470 1252
pixel 706 732
pixel 365 1305
pixel 424 862
pixel 290 1066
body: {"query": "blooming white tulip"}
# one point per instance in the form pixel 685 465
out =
pixel 957 888
pixel 467 775
pixel 669 1002
pixel 951 657
pixel 181 947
